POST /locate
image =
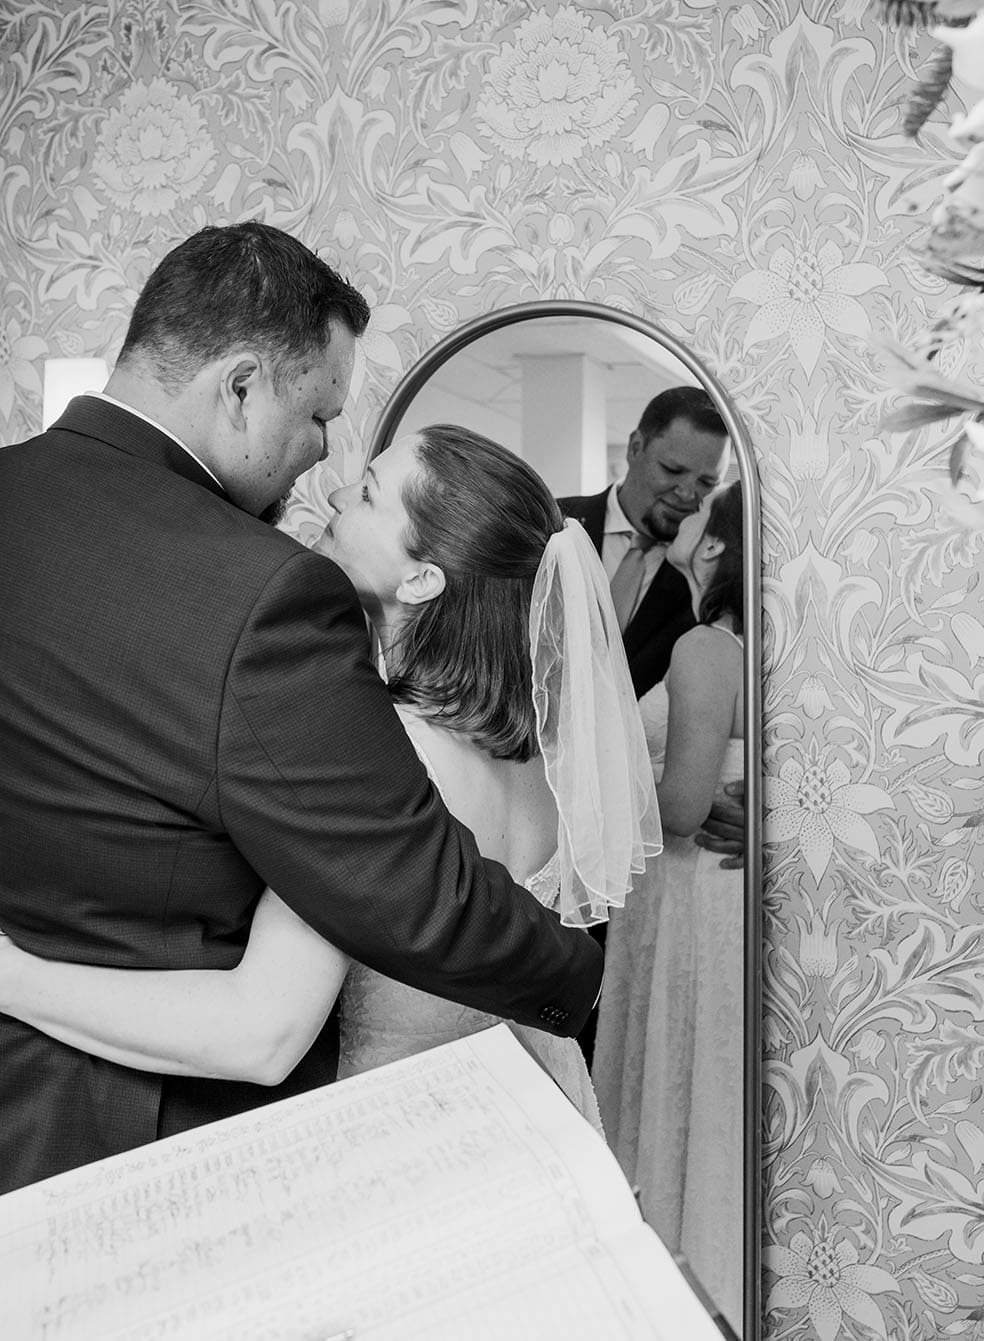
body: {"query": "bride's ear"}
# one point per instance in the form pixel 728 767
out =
pixel 711 548
pixel 422 585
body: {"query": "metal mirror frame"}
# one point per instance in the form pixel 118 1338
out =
pixel 394 410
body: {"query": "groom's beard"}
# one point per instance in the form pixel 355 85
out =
pixel 275 513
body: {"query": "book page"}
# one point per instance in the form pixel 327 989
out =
pixel 453 1194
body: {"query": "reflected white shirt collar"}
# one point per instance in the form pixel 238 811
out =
pixel 616 522
pixel 101 395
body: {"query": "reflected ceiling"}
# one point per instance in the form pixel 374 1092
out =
pixel 486 376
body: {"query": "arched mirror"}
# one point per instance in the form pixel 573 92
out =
pixel 563 384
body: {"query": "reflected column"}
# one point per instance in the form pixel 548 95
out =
pixel 564 424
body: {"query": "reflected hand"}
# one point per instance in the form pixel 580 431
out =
pixel 724 829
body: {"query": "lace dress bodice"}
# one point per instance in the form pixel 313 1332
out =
pixel 544 884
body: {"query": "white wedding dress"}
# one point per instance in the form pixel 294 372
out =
pixel 668 1054
pixel 381 1020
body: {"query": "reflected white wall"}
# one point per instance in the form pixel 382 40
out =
pixel 564 421
pixel 564 393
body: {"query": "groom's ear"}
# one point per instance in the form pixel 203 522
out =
pixel 422 585
pixel 239 379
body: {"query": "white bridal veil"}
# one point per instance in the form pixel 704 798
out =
pixel 590 731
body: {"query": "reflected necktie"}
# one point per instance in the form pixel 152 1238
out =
pixel 627 579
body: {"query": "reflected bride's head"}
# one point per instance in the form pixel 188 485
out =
pixel 707 549
pixel 442 540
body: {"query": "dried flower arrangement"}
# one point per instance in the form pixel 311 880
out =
pixel 954 243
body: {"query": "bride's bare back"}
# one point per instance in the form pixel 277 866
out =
pixel 508 806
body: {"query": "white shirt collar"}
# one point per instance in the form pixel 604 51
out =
pixel 615 519
pixel 101 395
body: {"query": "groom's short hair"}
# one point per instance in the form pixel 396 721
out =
pixel 692 403
pixel 244 284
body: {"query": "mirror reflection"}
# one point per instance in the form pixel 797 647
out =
pixel 633 447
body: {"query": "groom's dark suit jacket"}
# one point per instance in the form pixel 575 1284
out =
pixel 664 613
pixel 189 712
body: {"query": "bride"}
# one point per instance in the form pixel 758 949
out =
pixel 503 655
pixel 668 1056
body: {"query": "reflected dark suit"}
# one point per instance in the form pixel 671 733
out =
pixel 189 712
pixel 664 613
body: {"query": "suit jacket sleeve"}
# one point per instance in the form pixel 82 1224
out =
pixel 320 789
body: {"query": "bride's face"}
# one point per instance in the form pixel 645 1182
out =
pixel 365 534
pixel 690 548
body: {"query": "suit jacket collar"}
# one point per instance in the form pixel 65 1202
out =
pixel 116 427
pixel 590 512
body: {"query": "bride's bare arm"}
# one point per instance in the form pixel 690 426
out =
pixel 702 683
pixel 254 1022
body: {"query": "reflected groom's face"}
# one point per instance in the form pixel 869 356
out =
pixel 669 476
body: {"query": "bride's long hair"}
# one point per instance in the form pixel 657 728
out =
pixel 725 592
pixel 483 516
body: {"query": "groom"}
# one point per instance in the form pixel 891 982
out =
pixel 189 712
pixel 676 455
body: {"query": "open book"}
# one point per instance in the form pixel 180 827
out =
pixel 453 1196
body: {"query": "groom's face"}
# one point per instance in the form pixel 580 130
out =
pixel 275 512
pixel 287 424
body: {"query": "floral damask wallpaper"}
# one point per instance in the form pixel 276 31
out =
pixel 735 172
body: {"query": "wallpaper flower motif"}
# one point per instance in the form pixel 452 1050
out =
pixel 153 150
pixel 822 1177
pixel 19 356
pixel 816 804
pixel 823 1273
pixel 805 293
pixel 561 86
pixel 737 174
pixel 804 178
pixel 817 949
